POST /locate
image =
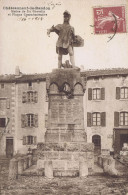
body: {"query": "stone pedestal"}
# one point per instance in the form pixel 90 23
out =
pixel 65 138
pixel 48 169
pixel 83 168
pixel 20 165
pixel 26 160
pixel 29 160
pixel 13 169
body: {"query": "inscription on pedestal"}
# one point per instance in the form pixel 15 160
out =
pixel 65 111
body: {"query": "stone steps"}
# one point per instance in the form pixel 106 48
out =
pixel 33 171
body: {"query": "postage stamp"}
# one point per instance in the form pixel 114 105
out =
pixel 109 20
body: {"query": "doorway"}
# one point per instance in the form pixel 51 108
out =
pixel 123 139
pixel 120 137
pixel 9 147
pixel 96 139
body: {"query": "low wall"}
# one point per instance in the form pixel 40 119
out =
pixel 18 165
pixel 108 165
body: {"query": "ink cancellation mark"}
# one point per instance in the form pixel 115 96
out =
pixel 109 20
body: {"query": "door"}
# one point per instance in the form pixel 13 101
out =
pixel 123 139
pixel 96 139
pixel 9 147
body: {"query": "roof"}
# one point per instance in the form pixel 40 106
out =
pixel 105 72
pixel 42 77
pixel 23 78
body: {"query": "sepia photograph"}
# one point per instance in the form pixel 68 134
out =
pixel 63 97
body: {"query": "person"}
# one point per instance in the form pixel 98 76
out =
pixel 65 40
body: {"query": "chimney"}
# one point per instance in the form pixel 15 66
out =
pixel 17 71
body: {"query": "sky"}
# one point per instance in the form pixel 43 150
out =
pixel 26 44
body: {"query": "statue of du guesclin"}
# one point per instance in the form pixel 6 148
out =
pixel 66 42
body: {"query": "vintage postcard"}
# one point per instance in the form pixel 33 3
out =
pixel 63 97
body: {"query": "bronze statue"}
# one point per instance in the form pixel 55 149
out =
pixel 66 40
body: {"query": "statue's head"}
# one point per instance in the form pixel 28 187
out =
pixel 67 16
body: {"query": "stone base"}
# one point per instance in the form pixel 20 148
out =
pixel 65 157
pixel 65 150
pixel 65 146
pixel 65 137
pixel 67 173
pixel 64 168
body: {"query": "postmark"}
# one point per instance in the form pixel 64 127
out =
pixel 109 20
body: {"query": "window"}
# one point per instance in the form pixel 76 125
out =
pixel 124 118
pixel 120 119
pixel 121 93
pixel 124 93
pixel 2 85
pixel 30 97
pixel 2 122
pixel 29 140
pixel 96 119
pixel 30 84
pixel 96 93
pixel 29 120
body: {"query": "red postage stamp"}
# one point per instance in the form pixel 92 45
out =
pixel 109 20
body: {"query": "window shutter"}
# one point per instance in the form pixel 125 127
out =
pixel 102 93
pixel 36 120
pixel 89 94
pixel 26 120
pixel 23 120
pixel 103 119
pixel 27 140
pixel 8 103
pixel 35 96
pixel 117 93
pixel 34 140
pixel 46 120
pixel 24 140
pixel 116 119
pixel 24 97
pixel 89 118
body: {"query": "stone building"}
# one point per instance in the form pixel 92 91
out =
pixel 24 109
pixel 7 116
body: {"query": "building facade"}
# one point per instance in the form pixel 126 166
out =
pixel 7 118
pixel 24 110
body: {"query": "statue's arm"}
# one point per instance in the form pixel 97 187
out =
pixel 52 29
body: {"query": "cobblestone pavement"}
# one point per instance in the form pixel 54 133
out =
pixel 94 185
pixel 34 185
